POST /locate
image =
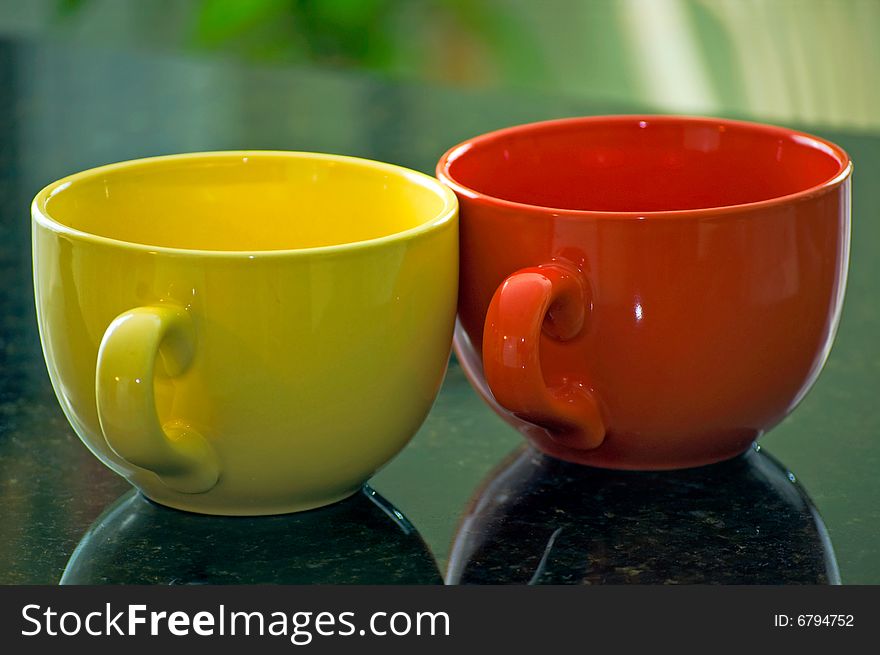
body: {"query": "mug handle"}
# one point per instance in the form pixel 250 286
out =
pixel 181 457
pixel 550 299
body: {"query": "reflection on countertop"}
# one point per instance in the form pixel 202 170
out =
pixel 361 540
pixel 538 520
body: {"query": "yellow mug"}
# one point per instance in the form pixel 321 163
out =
pixel 246 332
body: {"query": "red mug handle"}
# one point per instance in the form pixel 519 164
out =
pixel 551 299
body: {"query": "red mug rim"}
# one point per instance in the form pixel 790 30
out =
pixel 844 170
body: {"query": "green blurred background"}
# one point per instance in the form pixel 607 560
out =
pixel 814 62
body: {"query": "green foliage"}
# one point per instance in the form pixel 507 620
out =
pixel 465 40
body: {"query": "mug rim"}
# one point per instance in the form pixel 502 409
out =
pixel 844 170
pixel 445 216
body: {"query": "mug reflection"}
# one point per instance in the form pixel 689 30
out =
pixel 538 520
pixel 361 540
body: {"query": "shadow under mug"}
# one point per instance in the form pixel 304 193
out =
pixel 648 292
pixel 539 520
pixel 363 539
pixel 246 332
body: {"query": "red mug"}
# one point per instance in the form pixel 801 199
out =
pixel 648 292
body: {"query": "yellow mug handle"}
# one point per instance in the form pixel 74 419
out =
pixel 181 457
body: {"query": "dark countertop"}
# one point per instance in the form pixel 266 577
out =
pixel 522 517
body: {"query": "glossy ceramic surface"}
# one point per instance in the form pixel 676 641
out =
pixel 246 332
pixel 648 292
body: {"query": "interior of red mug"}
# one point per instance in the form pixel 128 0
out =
pixel 643 164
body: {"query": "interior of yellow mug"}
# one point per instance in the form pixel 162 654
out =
pixel 246 201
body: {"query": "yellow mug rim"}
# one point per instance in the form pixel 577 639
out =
pixel 41 216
